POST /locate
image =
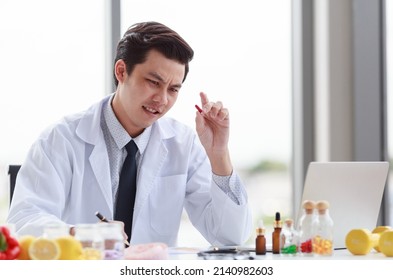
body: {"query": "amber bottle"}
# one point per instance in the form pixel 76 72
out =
pixel 260 240
pixel 276 234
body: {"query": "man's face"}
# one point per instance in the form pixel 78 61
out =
pixel 148 92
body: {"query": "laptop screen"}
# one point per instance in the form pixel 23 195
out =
pixel 354 191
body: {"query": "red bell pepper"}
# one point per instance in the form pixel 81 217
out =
pixel 9 246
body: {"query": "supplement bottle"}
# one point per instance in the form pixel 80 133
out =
pixel 112 234
pixel 322 243
pixel 305 228
pixel 260 240
pixel 288 239
pixel 276 234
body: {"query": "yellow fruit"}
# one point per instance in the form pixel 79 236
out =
pixel 386 243
pixel 70 248
pixel 44 249
pixel 25 242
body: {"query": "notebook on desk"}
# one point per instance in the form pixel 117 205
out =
pixel 354 191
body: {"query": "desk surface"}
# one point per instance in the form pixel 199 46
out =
pixel 192 254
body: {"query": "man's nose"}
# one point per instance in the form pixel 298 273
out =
pixel 161 96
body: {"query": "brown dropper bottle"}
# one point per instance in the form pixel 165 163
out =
pixel 260 240
pixel 276 234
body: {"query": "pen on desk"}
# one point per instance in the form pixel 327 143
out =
pixel 103 219
pixel 198 108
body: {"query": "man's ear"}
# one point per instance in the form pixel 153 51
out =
pixel 120 70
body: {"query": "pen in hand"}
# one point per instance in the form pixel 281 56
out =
pixel 103 219
pixel 198 108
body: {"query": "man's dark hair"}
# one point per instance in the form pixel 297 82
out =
pixel 142 37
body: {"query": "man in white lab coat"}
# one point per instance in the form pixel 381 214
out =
pixel 73 168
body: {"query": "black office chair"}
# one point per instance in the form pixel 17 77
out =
pixel 13 171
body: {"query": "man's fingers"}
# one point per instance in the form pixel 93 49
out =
pixel 215 108
pixel 204 98
pixel 223 114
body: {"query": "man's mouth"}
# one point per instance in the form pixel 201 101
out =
pixel 151 110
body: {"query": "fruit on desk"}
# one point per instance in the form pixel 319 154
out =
pixel 25 242
pixel 9 246
pixel 62 248
pixel 70 248
pixel 44 249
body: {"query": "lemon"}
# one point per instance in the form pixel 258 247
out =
pixel 70 248
pixel 44 249
pixel 24 243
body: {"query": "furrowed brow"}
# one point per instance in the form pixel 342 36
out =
pixel 156 76
pixel 159 78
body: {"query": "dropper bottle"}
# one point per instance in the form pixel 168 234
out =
pixel 276 234
pixel 260 240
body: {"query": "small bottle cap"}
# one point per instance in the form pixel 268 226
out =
pixel 288 222
pixel 322 206
pixel 260 231
pixel 277 221
pixel 260 228
pixel 308 204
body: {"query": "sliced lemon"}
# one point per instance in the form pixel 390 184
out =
pixel 44 249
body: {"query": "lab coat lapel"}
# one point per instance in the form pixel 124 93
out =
pixel 101 170
pixel 89 130
pixel 151 164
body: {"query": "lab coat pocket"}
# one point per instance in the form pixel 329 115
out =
pixel 166 203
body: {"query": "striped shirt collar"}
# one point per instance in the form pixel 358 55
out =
pixel 119 134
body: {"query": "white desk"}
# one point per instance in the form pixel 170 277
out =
pixel 192 254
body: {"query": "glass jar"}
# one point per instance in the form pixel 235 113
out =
pixel 323 237
pixel 288 239
pixel 112 234
pixel 92 241
pixel 56 230
pixel 306 230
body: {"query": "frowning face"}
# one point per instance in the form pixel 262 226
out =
pixel 148 93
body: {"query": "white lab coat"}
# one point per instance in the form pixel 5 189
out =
pixel 66 176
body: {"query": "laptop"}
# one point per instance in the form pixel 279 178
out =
pixel 354 191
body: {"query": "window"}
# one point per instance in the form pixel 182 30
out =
pixel 52 64
pixel 389 94
pixel 242 57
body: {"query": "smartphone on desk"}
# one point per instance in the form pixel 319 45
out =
pixel 226 252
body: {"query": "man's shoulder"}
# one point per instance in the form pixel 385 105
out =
pixel 68 124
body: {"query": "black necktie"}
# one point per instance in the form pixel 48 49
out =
pixel 127 189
